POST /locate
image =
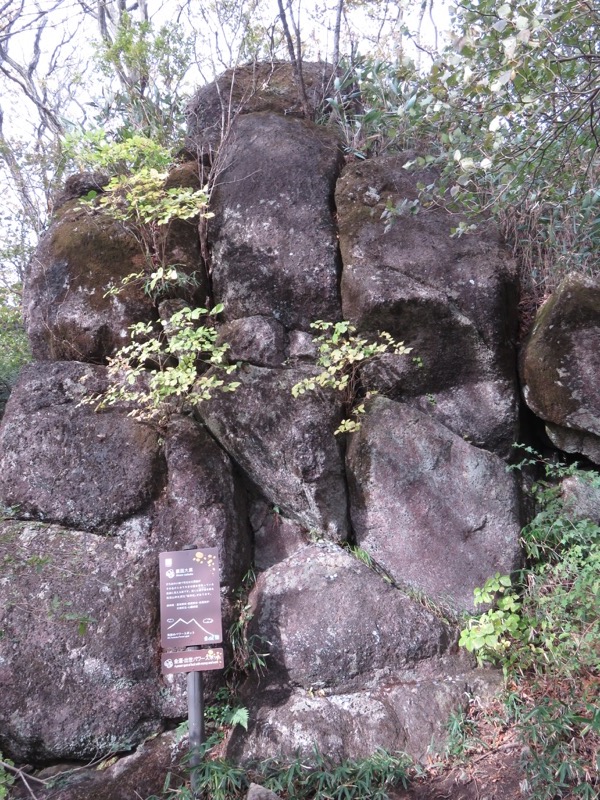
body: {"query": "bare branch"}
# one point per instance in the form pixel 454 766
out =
pixel 296 65
pixel 31 93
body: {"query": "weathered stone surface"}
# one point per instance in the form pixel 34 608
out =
pixel 573 441
pixel 437 513
pixel 482 411
pixel 302 346
pixel 408 712
pixel 257 340
pixel 473 271
pixel 332 622
pixel 353 664
pixel 560 366
pixel 285 445
pixel 256 792
pixel 275 536
pixel 78 185
pixel 78 659
pixel 202 503
pixel 273 237
pixel 62 462
pixel 581 497
pixel 67 313
pixel 138 775
pixel 451 299
pixel 250 89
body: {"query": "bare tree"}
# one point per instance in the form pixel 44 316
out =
pixel 336 33
pixel 295 55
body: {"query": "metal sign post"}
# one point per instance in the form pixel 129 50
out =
pixel 190 614
pixel 195 700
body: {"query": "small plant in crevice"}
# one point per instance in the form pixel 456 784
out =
pixel 166 366
pixel 437 607
pixel 342 352
pixel 249 651
pixel 146 206
pixel 224 712
pixel 7 778
pixel 361 554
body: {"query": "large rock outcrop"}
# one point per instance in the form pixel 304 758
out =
pixel 560 366
pixel 360 654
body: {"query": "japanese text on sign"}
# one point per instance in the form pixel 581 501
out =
pixel 193 660
pixel 190 603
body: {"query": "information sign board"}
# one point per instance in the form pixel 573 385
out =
pixel 193 660
pixel 190 603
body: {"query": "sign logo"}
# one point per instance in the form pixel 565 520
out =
pixel 193 660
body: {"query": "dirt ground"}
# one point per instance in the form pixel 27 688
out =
pixel 495 775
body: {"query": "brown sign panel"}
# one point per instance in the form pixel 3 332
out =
pixel 190 603
pixel 192 660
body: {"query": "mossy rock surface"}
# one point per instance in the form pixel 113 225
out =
pixel 68 313
pixel 69 308
pixel 245 90
pixel 560 365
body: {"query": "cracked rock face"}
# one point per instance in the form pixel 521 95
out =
pixel 375 671
pixel 203 503
pixel 356 641
pixel 435 512
pixel 286 446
